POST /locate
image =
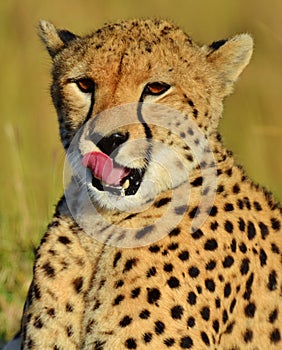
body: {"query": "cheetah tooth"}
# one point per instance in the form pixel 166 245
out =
pixel 126 184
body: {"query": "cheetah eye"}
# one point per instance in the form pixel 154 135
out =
pixel 85 85
pixel 156 88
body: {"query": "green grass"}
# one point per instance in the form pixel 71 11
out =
pixel 31 155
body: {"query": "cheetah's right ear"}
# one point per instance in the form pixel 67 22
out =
pixel 54 39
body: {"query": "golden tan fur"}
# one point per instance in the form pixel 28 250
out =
pixel 216 285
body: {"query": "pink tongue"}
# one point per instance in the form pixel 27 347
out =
pixel 103 168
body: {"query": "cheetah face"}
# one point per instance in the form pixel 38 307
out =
pixel 125 164
pixel 138 103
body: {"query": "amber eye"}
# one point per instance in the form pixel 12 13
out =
pixel 156 88
pixel 85 85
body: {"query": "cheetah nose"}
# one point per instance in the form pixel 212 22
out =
pixel 109 143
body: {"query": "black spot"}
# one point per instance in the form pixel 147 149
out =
pixel 195 113
pixel 172 246
pixel 263 230
pixel 129 265
pixel 214 225
pixel 130 343
pixel 36 291
pixel 262 257
pixel 191 322
pixel 37 322
pixel 193 272
pixel 213 211
pixel 272 281
pixel 211 244
pixel 228 262
pixel 236 189
pixel 275 224
pixel 192 298
pixel 169 342
pixel 249 284
pixel 244 269
pixel 240 204
pixel 119 283
pixel 215 326
pixel 177 312
pixel 275 336
pixel 227 290
pixel 168 267
pixel 220 189
pixel 118 299
pixel 217 303
pixel 247 203
pixel 197 182
pixel 273 316
pixel 205 338
pixel 228 207
pixel 224 316
pixel 186 343
pixel 69 308
pixel 194 212
pixel 180 210
pixel 151 272
pixel 184 255
pixel 210 285
pixel 233 246
pixel 144 314
pixel 125 321
pixel 69 331
pixel 49 270
pixel 116 259
pixel 243 248
pixel 248 336
pixel 232 305
pixel 228 226
pixel 191 103
pixel 257 206
pixel 174 232
pixel 51 312
pixel 159 327
pixel 250 310
pixel 211 265
pixel 274 248
pixel 96 305
pixel 147 337
pixel 173 282
pixel 135 293
pixel 242 225
pixel 251 230
pixel 162 202
pixel 153 295
pixel 197 234
pixel 64 240
pixel 205 313
pixel 154 248
pixel 77 284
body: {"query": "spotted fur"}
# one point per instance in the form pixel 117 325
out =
pixel 216 286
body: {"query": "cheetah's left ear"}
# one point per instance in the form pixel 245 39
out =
pixel 54 39
pixel 229 58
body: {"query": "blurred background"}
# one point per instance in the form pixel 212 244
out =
pixel 32 158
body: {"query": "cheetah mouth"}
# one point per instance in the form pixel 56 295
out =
pixel 108 176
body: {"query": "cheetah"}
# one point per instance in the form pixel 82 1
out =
pixel 161 240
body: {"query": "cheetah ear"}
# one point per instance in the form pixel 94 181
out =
pixel 229 58
pixel 54 39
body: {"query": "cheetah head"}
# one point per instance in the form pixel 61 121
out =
pixel 138 104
